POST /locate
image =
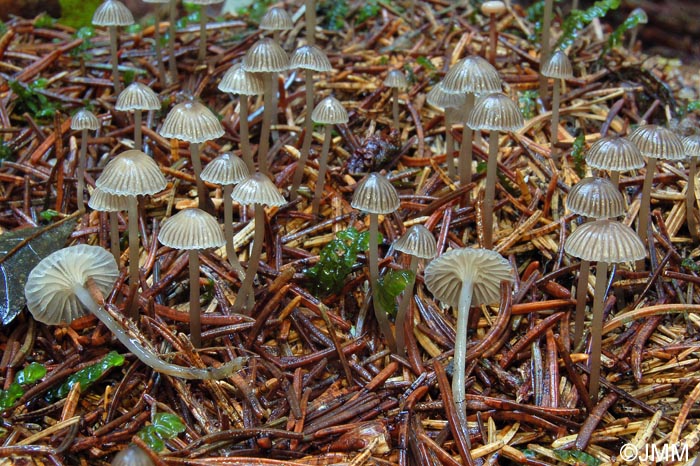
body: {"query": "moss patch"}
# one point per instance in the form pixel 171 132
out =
pixel 78 13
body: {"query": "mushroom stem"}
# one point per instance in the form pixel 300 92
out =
pixel 138 138
pixel 268 110
pixel 159 54
pixel 490 190
pixel 460 354
pixel 202 34
pixel 395 106
pixel 545 49
pixel 80 188
pixel 242 300
pixel 601 280
pixel 449 144
pixel 555 123
pixel 633 38
pixel 133 254
pixel 465 150
pixel 114 235
pixel 195 317
pixel 310 21
pixel 228 233
pixel 197 167
pixel 690 200
pixel 115 61
pixel 245 137
pixel 646 200
pixel 493 39
pixel 400 328
pixel 379 313
pixel 581 292
pixel 308 135
pixel 322 167
pixel 615 178
pixel 171 40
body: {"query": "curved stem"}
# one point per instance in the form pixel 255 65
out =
pixel 310 21
pixel 690 200
pixel 555 123
pixel 159 54
pixel 266 123
pixel 308 135
pixel 133 255
pixel 114 235
pixel 400 328
pixel 322 168
pixel 601 281
pixel 581 293
pixel 80 188
pixel 197 167
pixel 195 314
pixel 490 191
pixel 449 144
pixel 115 60
pixel 465 151
pixel 171 40
pixel 382 319
pixel 245 137
pixel 395 106
pixel 460 354
pixel 228 233
pixel 246 289
pixel 138 138
pixel 646 200
pixel 202 34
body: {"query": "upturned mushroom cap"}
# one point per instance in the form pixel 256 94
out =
pixel 496 112
pixel 265 56
pixel 225 169
pixel 605 240
pixel 276 19
pixel 417 241
pixel 191 229
pixel 84 119
pixel 236 80
pixel 329 111
pixel 437 97
pixel 50 285
pixel 375 195
pixel 191 121
pixel 396 79
pixel 257 189
pixel 494 7
pixel 310 57
pixel 112 13
pixel 472 75
pixel 104 202
pixel 485 268
pixel 614 153
pixel 131 173
pixel 137 96
pixel 595 197
pixel 657 142
pixel 691 144
pixel 558 66
pixel 133 455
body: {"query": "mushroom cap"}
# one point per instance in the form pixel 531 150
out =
pixel 310 57
pixel 131 173
pixel 472 75
pixel 257 189
pixel 191 121
pixel 486 269
pixel 50 285
pixel 329 111
pixel 112 13
pixel 265 56
pixel 417 241
pixel 691 144
pixel 133 455
pixel 137 96
pixel 155 1
pixel 641 14
pixel 605 241
pixel 494 7
pixel 495 112
pixel 614 153
pixel 396 79
pixel 191 229
pixel 84 119
pixel 225 169
pixel 236 80
pixel 375 195
pixel 102 201
pixel 595 197
pixel 205 2
pixel 657 142
pixel 558 66
pixel 276 19
pixel 437 97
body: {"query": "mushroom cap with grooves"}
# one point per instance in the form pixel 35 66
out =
pixel 133 455
pixel 225 169
pixel 417 241
pixel 437 97
pixel 657 142
pixel 191 121
pixel 131 173
pixel 486 269
pixel 605 240
pixel 137 96
pixel 276 19
pixel 50 285
pixel 375 195
pixel 265 56
pixel 595 197
pixel 558 67
pixel 396 79
pixel 191 229
pixel 236 80
pixel 102 201
pixel 329 111
pixel 257 189
pixel 614 153
pixel 112 13
pixel 495 112
pixel 472 75
pixel 310 57
pixel 493 7
pixel 691 144
pixel 84 119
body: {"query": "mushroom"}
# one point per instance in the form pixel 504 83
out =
pixel 395 80
pixel 83 121
pixel 74 279
pixel 276 20
pixel 558 67
pixel 375 195
pixel 133 455
pixel 136 98
pixel 604 242
pixel 493 9
pixel 112 204
pixel 460 278
pixel 448 102
pixel 419 243
pixel 642 18
pixel 614 154
pixel 692 149
pixel 257 190
pixel 191 230
pixel 203 26
pixel 156 38
pixel 113 13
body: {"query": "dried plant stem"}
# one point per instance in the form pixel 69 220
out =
pixel 581 293
pixel 555 123
pixel 245 136
pixel 172 13
pixel 460 354
pixel 310 21
pixel 450 144
pixel 268 111
pixel 115 60
pixel 197 167
pixel 195 317
pixel 308 135
pixel 406 298
pixel 646 199
pixel 690 200
pixel 202 35
pixel 322 167
pixel 490 190
pixel 114 235
pixel 246 289
pixel 601 280
pixel 138 138
pixel 133 254
pixel 162 77
pixel 545 50
pixel 80 188
pixel 395 106
pixel 379 313
pixel 465 150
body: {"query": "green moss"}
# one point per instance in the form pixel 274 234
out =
pixel 78 13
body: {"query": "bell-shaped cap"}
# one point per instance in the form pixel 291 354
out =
pixel 310 57
pixel 84 119
pixel 483 268
pixel 265 56
pixel 133 455
pixel 50 287
pixel 225 169
pixel 396 79
pixel 640 14
pixel 595 197
pixel 472 75
pixel 329 111
pixel 496 112
pixel 614 153
pixel 131 173
pixel 437 97
pixel 104 202
pixel 236 80
pixel 276 19
pixel 605 241
pixel 257 189
pixel 558 66
pixel 191 121
pixel 691 144
pixel 493 7
pixel 417 241
pixel 657 142
pixel 191 229
pixel 112 13
pixel 375 195
pixel 137 96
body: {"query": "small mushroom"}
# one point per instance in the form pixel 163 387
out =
pixel 449 103
pixel 133 455
pixel 493 9
pixel 641 18
pixel 203 26
pixel 692 149
pixel 113 13
pixel 83 121
pixel 614 154
pixel 112 204
pixel 559 68
pixel 137 98
pixel 395 80
pixel 276 20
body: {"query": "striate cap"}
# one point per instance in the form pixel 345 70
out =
pixel 84 119
pixel 276 19
pixel 225 169
pixel 417 241
pixel 238 81
pixel 375 195
pixel 614 153
pixel 472 75
pixel 605 241
pixel 558 67
pixel 595 197
pixel 105 202
pixel 657 142
pixel 191 229
pixel 137 96
pixel 257 189
pixel 691 144
pixel 493 7
pixel 191 121
pixel 310 57
pixel 265 56
pixel 133 455
pixel 112 13
pixel 396 79
pixel 131 173
pixel 329 111
pixel 495 112
pixel 437 97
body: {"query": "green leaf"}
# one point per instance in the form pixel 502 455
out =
pixel 576 457
pixel 578 152
pixel 30 374
pixel 636 17
pixel 578 19
pixel 10 396
pixel 392 285
pixel 165 427
pixel 87 376
pixel 150 436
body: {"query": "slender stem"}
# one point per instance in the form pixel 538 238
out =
pixel 245 138
pixel 465 151
pixel 310 21
pixel 555 123
pixel 247 286
pixel 202 34
pixel 395 106
pixel 80 188
pixel 197 167
pixel 581 293
pixel 267 122
pixel 159 55
pixel 493 39
pixel 133 254
pixel 450 144
pixel 601 280
pixel 460 354
pixel 615 178
pixel 228 233
pixel 646 200
pixel 545 49
pixel 114 235
pixel 633 39
pixel 171 41
pixel 115 60
pixel 138 138
pixel 400 328
pixel 490 191
pixel 382 319
pixel 690 200
pixel 322 168
pixel 308 135
pixel 195 317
